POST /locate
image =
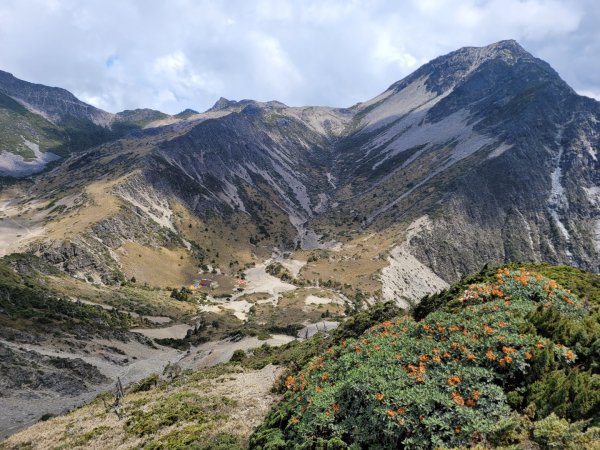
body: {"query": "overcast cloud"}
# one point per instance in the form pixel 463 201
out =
pixel 177 54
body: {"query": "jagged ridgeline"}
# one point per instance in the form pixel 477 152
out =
pixel 481 155
pixel 510 360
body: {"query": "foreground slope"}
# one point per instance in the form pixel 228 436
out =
pixel 528 361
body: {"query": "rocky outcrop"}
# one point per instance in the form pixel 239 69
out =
pixel 56 104
pixel 86 259
pixel 39 375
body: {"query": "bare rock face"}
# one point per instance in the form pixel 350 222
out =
pixel 30 372
pixel 495 147
pixel 87 259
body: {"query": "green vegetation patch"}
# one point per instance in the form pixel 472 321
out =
pixel 182 406
pixel 25 300
pixel 447 380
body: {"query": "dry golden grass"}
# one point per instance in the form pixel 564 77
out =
pixel 358 262
pixel 100 204
pixel 160 267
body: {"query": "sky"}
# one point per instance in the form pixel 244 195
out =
pixel 178 54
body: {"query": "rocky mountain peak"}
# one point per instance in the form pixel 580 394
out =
pixel 446 72
pixel 187 113
pixel 221 104
pixel 56 104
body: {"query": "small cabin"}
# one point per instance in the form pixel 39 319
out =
pixel 205 283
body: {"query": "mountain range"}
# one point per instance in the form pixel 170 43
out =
pixel 482 155
pixel 137 240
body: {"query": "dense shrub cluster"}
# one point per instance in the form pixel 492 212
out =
pixel 446 380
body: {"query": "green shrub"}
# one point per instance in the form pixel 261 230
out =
pixel 446 380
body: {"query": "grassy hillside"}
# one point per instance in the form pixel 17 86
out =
pixel 507 362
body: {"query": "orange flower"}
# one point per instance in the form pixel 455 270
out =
pixel 391 412
pixel 289 381
pixel 570 355
pixel 490 355
pixel 528 355
pixel 398 356
pixel 471 356
pixel 318 389
pixel 470 403
pixel 379 396
pixel 476 395
pixel 456 398
pixel 539 345
pixel 365 341
pixel 497 292
pixel 508 349
pixel 295 419
pixel 386 324
pixel 325 377
pixel 419 378
pixel 336 408
pixel 401 410
pixel 508 359
pixel 423 358
pixel 446 355
pixel 344 344
pixel 453 380
pixel 502 324
pixel 436 359
pixel 487 329
pixel 457 429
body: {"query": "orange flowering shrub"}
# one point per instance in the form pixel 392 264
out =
pixel 434 383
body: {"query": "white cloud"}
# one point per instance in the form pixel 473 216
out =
pixel 187 53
